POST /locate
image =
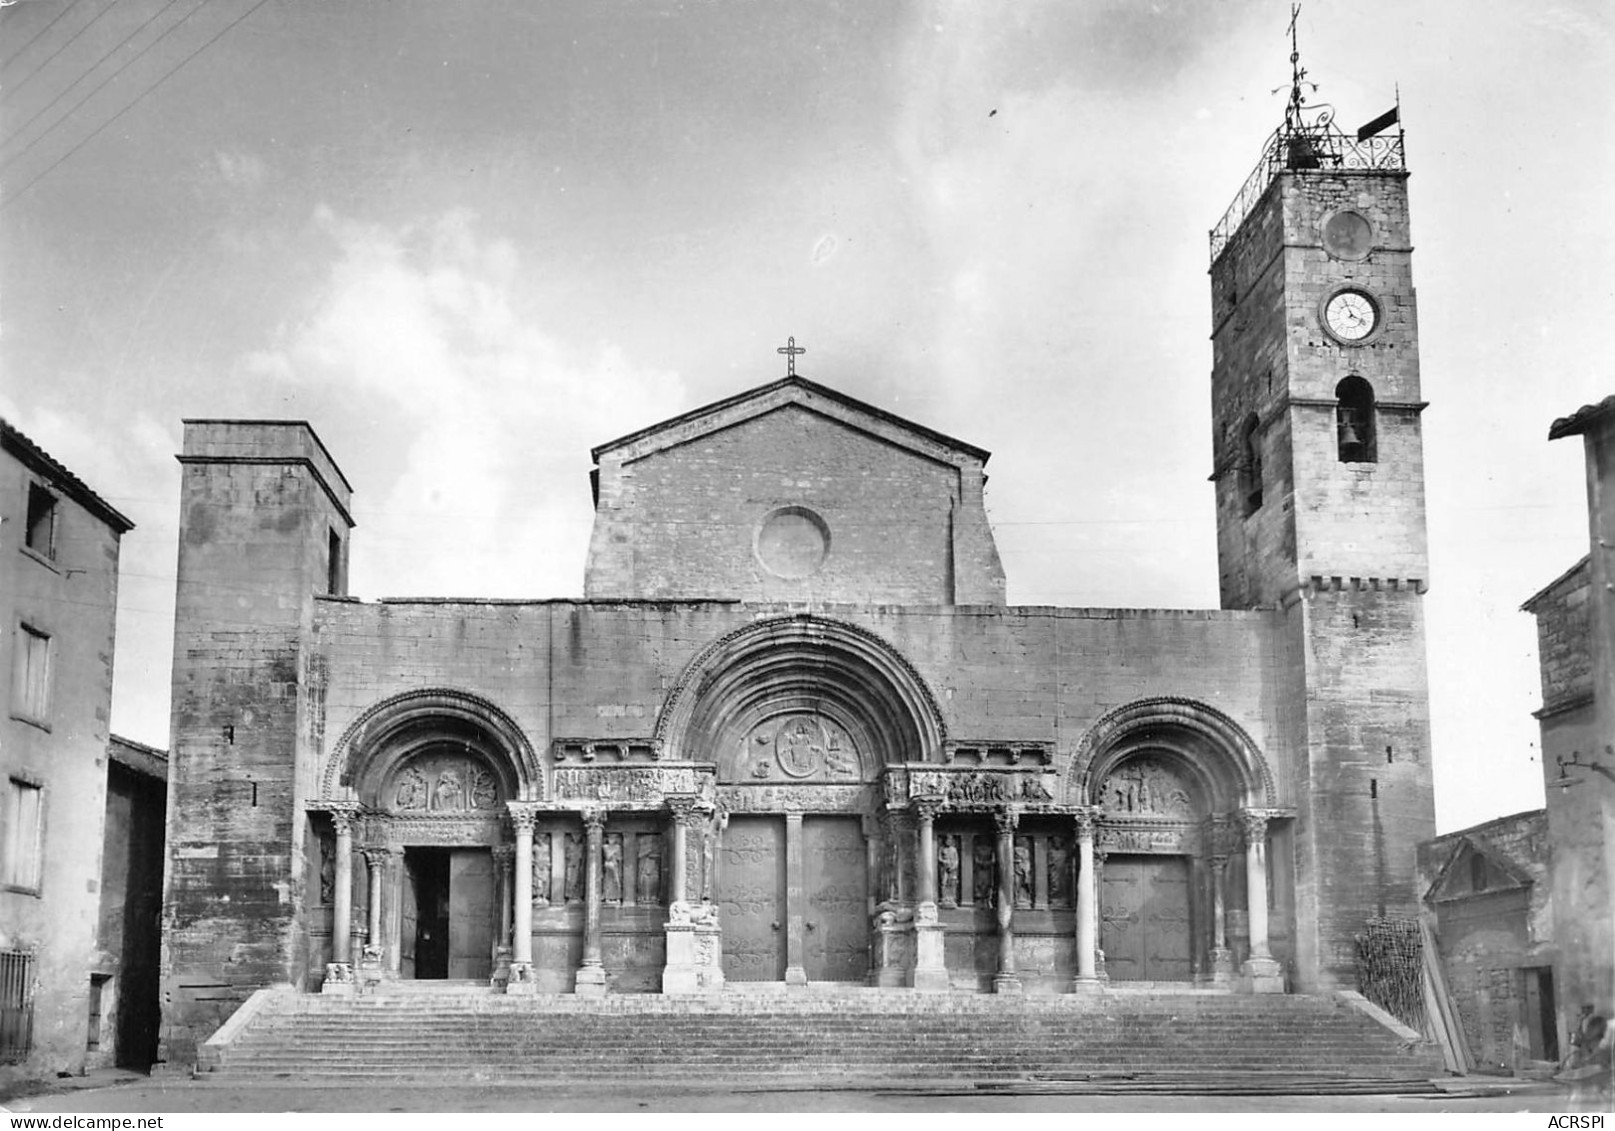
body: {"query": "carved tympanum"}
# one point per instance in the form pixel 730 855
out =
pixel 1145 786
pixel 443 783
pixel 797 748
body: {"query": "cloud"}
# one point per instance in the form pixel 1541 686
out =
pixel 498 395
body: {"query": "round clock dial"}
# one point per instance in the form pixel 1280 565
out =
pixel 1351 316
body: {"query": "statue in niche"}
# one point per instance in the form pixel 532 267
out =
pixel 574 868
pixel 484 789
pixel 983 863
pixel 541 869
pixel 947 863
pixel 611 869
pixel 648 871
pixel 448 794
pixel 1059 870
pixel 1023 871
pixel 327 870
pixel 411 791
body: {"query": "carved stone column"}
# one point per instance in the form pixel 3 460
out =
pixel 681 974
pixel 371 959
pixel 1266 977
pixel 523 815
pixel 1222 961
pixel 591 976
pixel 1099 855
pixel 930 966
pixel 1086 980
pixel 339 972
pixel 795 904
pixel 503 854
pixel 1006 981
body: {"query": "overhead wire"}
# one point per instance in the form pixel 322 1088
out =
pixel 17 54
pixel 131 61
pixel 88 71
pixel 66 43
pixel 139 99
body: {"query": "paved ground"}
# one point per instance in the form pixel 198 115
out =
pixel 129 1093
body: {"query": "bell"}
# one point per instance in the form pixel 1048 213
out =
pixel 1351 441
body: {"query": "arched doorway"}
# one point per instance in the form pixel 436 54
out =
pixel 422 782
pixel 800 716
pixel 1179 791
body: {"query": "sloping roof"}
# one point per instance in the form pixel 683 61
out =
pixel 138 756
pixel 1582 419
pixel 1469 845
pixel 765 398
pixel 69 484
pixel 1540 595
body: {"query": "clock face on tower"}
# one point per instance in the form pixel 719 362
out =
pixel 1351 316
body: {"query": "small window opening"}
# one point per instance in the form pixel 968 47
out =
pixel 1478 880
pixel 1251 464
pixel 1354 421
pixel 333 565
pixel 1388 756
pixel 20 827
pixel 1373 787
pixel 40 537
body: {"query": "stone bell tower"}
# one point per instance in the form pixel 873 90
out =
pixel 1320 504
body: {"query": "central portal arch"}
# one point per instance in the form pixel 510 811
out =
pixel 800 715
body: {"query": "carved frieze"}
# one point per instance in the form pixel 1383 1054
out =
pixel 847 798
pixel 968 788
pixel 628 784
pixel 797 748
pixel 1171 838
pixel 1145 786
pixel 438 828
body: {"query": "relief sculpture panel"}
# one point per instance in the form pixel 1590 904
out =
pixel 443 783
pixel 1146 786
pixel 796 748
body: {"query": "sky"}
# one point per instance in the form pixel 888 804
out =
pixel 469 241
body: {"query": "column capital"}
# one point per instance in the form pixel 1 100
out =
pixel 375 855
pixel 1006 820
pixel 689 811
pixel 344 814
pixel 1086 818
pixel 1253 824
pixel 594 820
pixel 523 814
pixel 504 855
pixel 926 808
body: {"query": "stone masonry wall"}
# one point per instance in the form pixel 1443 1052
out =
pixel 691 515
pixel 259 504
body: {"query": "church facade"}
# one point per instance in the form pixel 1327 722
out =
pixel 793 733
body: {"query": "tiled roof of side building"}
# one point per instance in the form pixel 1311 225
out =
pixel 1582 419
pixel 69 484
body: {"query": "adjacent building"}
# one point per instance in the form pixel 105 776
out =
pixel 1576 641
pixel 59 544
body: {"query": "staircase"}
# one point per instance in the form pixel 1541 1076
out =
pixel 465 1033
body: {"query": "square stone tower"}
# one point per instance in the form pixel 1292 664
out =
pixel 1320 505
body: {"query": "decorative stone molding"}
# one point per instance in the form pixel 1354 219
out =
pixel 999 752
pixel 1218 746
pixel 604 751
pixel 372 737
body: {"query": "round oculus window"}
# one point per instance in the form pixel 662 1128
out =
pixel 792 542
pixel 1348 235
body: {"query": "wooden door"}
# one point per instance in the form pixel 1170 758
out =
pixel 471 913
pixel 836 883
pixel 751 887
pixel 1144 925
